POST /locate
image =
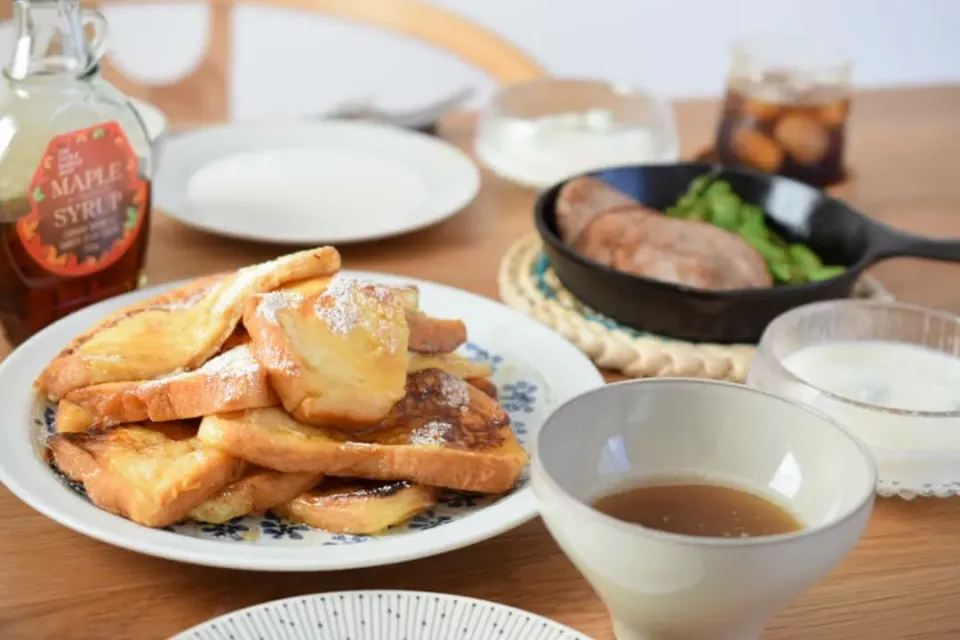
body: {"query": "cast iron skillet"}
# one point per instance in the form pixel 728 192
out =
pixel 836 232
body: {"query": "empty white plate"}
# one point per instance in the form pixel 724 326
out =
pixel 380 615
pixel 312 182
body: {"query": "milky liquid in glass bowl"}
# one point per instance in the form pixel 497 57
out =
pixel 540 152
pixel 904 396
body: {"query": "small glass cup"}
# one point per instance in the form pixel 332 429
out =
pixel 538 133
pixel 786 108
pixel 917 451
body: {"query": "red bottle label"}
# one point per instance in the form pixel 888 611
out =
pixel 87 202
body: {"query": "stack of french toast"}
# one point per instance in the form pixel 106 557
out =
pixel 282 387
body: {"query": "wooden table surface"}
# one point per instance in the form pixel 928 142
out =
pixel 902 580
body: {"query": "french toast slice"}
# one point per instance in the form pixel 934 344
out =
pixel 450 362
pixel 358 507
pixel 177 331
pixel 337 357
pixel 409 295
pixel 154 475
pixel 444 433
pixel 255 493
pixel 431 335
pixel 230 381
pixel 72 418
pixel 428 335
pixel 484 384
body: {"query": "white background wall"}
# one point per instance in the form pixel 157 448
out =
pixel 292 63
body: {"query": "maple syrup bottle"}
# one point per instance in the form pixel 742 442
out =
pixel 75 172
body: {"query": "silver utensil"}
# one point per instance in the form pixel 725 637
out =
pixel 425 117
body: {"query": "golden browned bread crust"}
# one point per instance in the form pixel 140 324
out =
pixel 258 491
pixel 338 357
pixel 484 384
pixel 177 331
pixel 230 381
pixel 444 433
pixel 152 475
pixel 435 335
pixel 73 418
pixel 450 362
pixel 358 507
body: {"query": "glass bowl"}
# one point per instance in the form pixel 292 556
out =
pixel 903 402
pixel 538 133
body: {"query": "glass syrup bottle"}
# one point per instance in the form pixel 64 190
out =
pixel 75 172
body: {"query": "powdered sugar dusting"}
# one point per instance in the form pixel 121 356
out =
pixel 238 360
pixel 454 392
pixel 434 432
pixel 270 303
pixel 336 306
pixel 341 308
pixel 240 285
pixel 236 370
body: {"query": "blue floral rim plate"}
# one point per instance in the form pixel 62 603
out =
pixel 380 615
pixel 535 370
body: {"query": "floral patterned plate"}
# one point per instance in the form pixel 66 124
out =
pixel 534 369
pixel 380 615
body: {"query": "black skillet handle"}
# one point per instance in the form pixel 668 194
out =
pixel 887 242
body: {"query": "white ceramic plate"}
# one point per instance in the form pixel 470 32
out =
pixel 535 371
pixel 312 182
pixel 380 615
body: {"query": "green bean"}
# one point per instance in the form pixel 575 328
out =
pixel 698 212
pixel 724 210
pixel 824 273
pixel 718 186
pixel 770 252
pixel 797 275
pixel 804 258
pixel 780 271
pixel 755 227
pixel 697 185
pixel 687 201
pixel 751 214
pixel 713 201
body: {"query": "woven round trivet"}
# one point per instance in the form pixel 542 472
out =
pixel 529 284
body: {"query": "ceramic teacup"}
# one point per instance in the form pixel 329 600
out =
pixel 665 586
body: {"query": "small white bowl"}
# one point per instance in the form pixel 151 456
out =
pixel 660 585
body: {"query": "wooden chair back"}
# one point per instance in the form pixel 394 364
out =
pixel 203 95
